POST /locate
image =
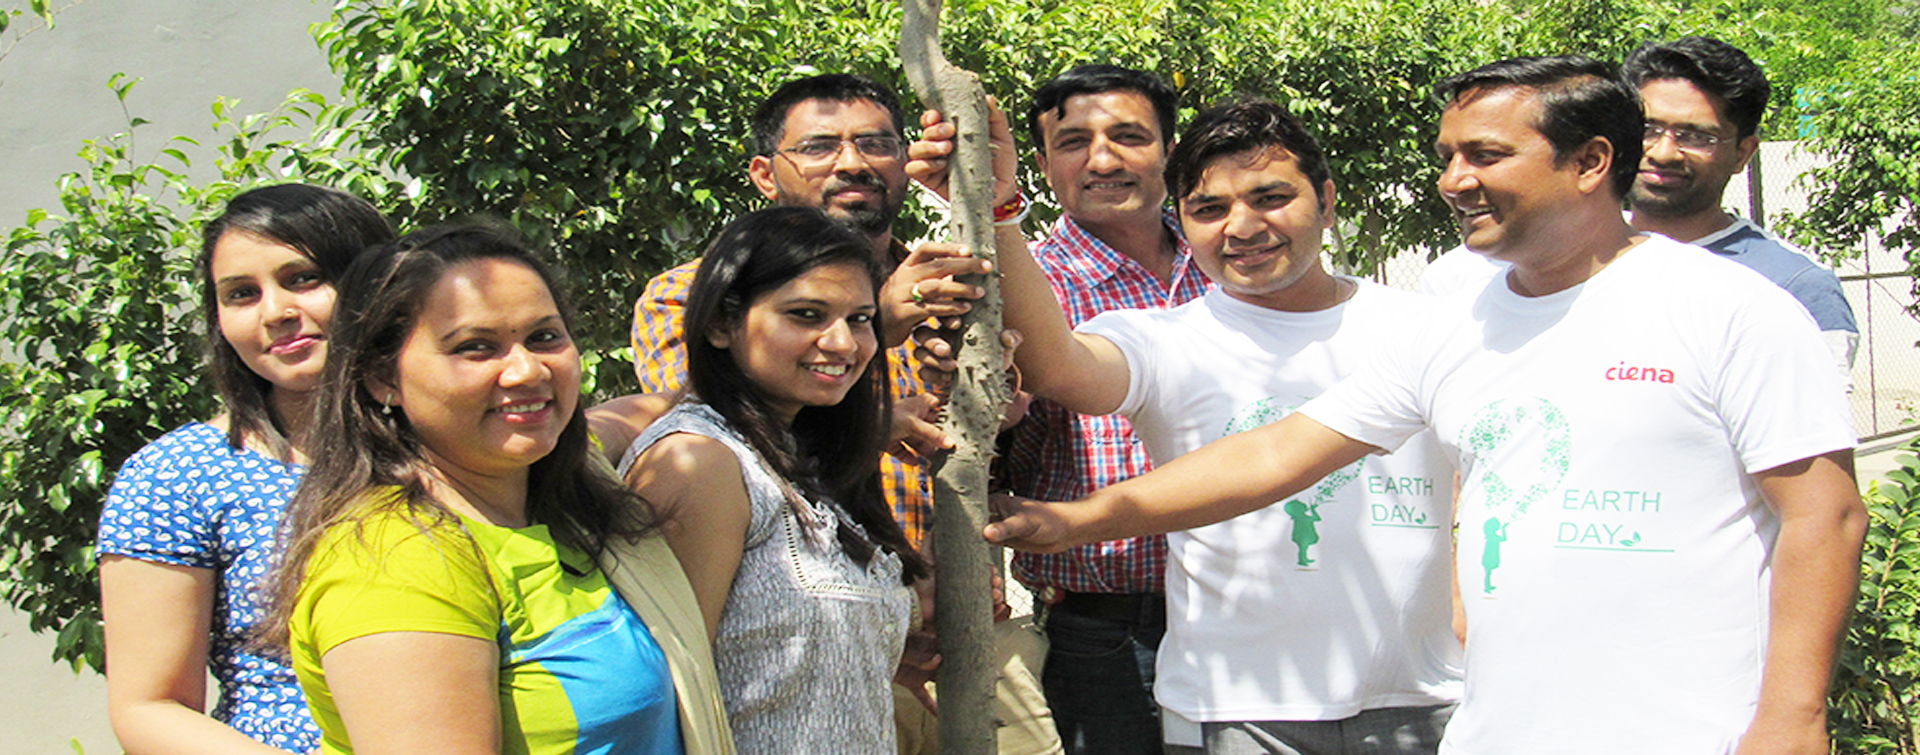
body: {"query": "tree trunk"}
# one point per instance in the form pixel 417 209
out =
pixel 963 603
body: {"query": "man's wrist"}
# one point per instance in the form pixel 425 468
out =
pixel 1012 211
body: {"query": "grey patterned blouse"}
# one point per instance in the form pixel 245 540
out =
pixel 809 638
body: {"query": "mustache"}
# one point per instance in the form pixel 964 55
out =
pixel 839 184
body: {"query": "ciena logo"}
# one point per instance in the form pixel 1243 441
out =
pixel 1639 374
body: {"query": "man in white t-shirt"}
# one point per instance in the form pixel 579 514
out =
pixel 1457 270
pixel 1659 531
pixel 1321 619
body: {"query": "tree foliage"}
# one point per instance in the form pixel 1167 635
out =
pixel 616 129
pixel 1876 698
pixel 1865 117
pixel 40 12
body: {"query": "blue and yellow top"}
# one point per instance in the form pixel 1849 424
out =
pixel 579 672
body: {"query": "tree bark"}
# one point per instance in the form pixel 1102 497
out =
pixel 963 603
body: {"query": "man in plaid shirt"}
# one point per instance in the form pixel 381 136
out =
pixel 1101 134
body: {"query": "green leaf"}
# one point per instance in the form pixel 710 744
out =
pixel 121 84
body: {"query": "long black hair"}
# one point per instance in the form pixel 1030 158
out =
pixel 327 226
pixel 359 448
pixel 831 452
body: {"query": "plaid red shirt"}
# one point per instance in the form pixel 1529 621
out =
pixel 1056 455
pixel 660 361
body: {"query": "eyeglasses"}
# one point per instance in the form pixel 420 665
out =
pixel 822 149
pixel 1688 139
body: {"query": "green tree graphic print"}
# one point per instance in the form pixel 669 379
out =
pixel 1305 508
pixel 1530 442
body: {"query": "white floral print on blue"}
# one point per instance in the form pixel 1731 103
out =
pixel 192 500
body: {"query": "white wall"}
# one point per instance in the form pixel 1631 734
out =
pixel 53 87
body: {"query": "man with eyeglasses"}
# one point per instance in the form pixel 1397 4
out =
pixel 833 141
pixel 1703 100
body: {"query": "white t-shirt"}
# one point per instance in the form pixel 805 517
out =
pixel 1332 602
pixel 1613 544
pixel 1458 270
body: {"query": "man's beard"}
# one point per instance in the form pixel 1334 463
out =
pixel 869 218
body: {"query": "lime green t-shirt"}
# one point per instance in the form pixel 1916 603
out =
pixel 579 672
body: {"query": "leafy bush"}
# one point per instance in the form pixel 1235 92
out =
pixel 1866 118
pixel 1875 707
pixel 611 131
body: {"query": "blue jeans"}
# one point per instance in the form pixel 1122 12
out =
pixel 1099 682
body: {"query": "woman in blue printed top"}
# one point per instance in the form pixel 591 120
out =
pixel 188 530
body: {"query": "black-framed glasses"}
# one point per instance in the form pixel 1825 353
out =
pixel 822 149
pixel 1686 138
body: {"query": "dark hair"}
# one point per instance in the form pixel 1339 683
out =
pixel 770 119
pixel 1095 79
pixel 1237 127
pixel 1713 66
pixel 358 448
pixel 1580 99
pixel 327 226
pixel 832 452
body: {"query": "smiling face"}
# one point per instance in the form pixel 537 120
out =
pixel 274 305
pixel 1501 177
pixel 489 375
pixel 862 190
pixel 1677 182
pixel 1105 158
pixel 807 342
pixel 1255 221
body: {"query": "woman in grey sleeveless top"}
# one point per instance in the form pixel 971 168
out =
pixel 768 468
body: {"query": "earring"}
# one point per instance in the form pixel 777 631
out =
pixel 386 407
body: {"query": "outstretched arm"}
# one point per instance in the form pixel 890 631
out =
pixel 1224 479
pixel 1816 567
pixel 1084 373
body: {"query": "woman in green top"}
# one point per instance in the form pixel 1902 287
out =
pixel 440 592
